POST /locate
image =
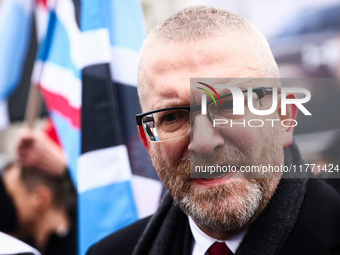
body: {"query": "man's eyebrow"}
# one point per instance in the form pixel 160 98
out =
pixel 169 104
pixel 225 91
pixel 242 83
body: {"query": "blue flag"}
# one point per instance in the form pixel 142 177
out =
pixel 15 30
pixel 116 187
pixel 88 76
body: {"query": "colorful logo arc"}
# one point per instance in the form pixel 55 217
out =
pixel 212 89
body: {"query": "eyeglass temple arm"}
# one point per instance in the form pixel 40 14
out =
pixel 195 108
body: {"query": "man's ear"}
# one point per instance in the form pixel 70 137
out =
pixel 143 138
pixel 43 197
pixel 288 129
pixel 145 141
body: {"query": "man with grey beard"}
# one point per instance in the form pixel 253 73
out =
pixel 232 213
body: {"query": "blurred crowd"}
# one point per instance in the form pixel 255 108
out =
pixel 37 198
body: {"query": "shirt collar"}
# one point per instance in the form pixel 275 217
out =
pixel 202 241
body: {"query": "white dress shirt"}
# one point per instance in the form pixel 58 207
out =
pixel 202 241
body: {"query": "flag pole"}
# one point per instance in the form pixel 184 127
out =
pixel 34 101
pixel 33 106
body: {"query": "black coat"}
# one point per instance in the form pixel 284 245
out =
pixel 302 217
pixel 315 232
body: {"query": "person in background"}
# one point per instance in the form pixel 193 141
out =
pixel 41 202
pixel 44 198
pixel 39 149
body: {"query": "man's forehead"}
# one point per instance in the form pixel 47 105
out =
pixel 239 82
pixel 212 44
pixel 168 95
pixel 168 66
pixel 174 57
pixel 179 93
pixel 180 87
pixel 200 58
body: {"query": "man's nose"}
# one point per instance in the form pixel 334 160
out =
pixel 204 137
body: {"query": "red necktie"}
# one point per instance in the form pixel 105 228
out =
pixel 219 248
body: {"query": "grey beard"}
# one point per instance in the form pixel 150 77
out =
pixel 224 207
pixel 212 209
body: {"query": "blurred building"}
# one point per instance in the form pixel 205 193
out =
pixel 309 43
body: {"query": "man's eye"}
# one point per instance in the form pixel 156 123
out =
pixel 173 117
pixel 170 117
pixel 227 105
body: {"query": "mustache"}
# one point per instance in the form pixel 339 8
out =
pixel 231 156
pixel 184 168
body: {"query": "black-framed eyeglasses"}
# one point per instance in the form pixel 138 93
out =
pixel 174 122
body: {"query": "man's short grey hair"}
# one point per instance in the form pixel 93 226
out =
pixel 201 22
